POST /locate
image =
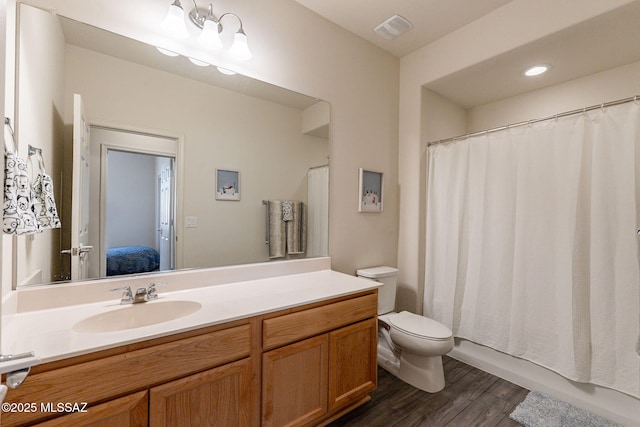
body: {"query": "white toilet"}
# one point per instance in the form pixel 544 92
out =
pixel 410 346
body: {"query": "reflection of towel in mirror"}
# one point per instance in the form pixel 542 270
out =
pixel 44 204
pixel 276 230
pixel 296 229
pixel 286 228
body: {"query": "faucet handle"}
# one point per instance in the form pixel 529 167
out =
pixel 152 292
pixel 127 295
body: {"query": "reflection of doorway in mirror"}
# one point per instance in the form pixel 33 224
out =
pixel 165 211
pixel 138 204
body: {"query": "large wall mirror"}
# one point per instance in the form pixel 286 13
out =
pixel 178 158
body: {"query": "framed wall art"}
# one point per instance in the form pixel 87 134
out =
pixel 370 191
pixel 227 184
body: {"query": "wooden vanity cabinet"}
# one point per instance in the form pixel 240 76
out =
pixel 100 379
pixel 300 366
pixel 128 411
pixel 217 397
pixel 314 380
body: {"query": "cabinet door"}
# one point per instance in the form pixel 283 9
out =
pixel 128 411
pixel 294 383
pixel 352 362
pixel 218 397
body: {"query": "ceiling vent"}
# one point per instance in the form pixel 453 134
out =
pixel 393 27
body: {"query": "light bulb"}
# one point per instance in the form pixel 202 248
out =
pixel 210 36
pixel 240 48
pixel 173 23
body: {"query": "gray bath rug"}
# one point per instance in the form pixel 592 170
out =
pixel 542 410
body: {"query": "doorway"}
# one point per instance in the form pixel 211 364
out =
pixel 137 202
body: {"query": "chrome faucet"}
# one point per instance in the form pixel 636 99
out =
pixel 142 294
pixel 127 296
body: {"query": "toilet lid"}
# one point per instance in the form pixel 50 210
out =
pixel 420 326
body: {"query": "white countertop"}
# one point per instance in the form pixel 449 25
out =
pixel 49 333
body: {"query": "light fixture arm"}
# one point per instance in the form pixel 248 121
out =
pixel 241 30
pixel 199 16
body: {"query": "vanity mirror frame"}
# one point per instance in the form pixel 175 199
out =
pixel 180 161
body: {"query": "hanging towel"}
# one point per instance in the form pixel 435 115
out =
pixel 17 214
pixel 287 233
pixel 276 231
pixel 44 203
pixel 295 228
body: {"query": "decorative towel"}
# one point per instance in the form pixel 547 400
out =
pixel 287 233
pixel 276 230
pixel 18 213
pixel 44 203
pixel 296 230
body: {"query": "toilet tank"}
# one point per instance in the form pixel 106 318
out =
pixel 388 276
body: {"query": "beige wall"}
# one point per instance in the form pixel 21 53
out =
pixel 40 125
pixel 308 54
pixel 2 114
pixel 610 85
pixel 218 128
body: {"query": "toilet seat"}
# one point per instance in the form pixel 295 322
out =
pixel 419 326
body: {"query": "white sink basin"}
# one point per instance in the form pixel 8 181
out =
pixel 137 316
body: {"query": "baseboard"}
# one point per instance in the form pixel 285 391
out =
pixel 618 407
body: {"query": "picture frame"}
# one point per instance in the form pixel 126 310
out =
pixel 370 194
pixel 227 184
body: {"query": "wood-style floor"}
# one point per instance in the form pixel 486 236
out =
pixel 471 397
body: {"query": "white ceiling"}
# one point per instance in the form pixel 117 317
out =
pixel 431 19
pixel 610 40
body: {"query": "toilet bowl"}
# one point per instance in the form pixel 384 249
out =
pixel 410 346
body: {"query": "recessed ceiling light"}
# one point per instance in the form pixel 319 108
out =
pixel 536 70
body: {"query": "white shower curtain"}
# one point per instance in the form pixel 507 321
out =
pixel 531 244
pixel 318 211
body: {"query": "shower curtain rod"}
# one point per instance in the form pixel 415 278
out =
pixel 318 167
pixel 529 122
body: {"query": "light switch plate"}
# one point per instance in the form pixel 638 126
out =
pixel 191 221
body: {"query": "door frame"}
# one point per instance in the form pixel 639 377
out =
pixel 175 152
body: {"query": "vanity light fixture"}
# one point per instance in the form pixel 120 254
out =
pixel 211 28
pixel 174 21
pixel 536 70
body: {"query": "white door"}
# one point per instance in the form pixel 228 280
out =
pixel 80 194
pixel 165 210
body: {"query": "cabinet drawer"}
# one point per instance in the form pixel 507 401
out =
pixel 102 379
pixel 128 411
pixel 292 327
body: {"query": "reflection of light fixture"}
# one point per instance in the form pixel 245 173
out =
pixel 226 71
pixel 198 62
pixel 211 29
pixel 536 70
pixel 166 51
